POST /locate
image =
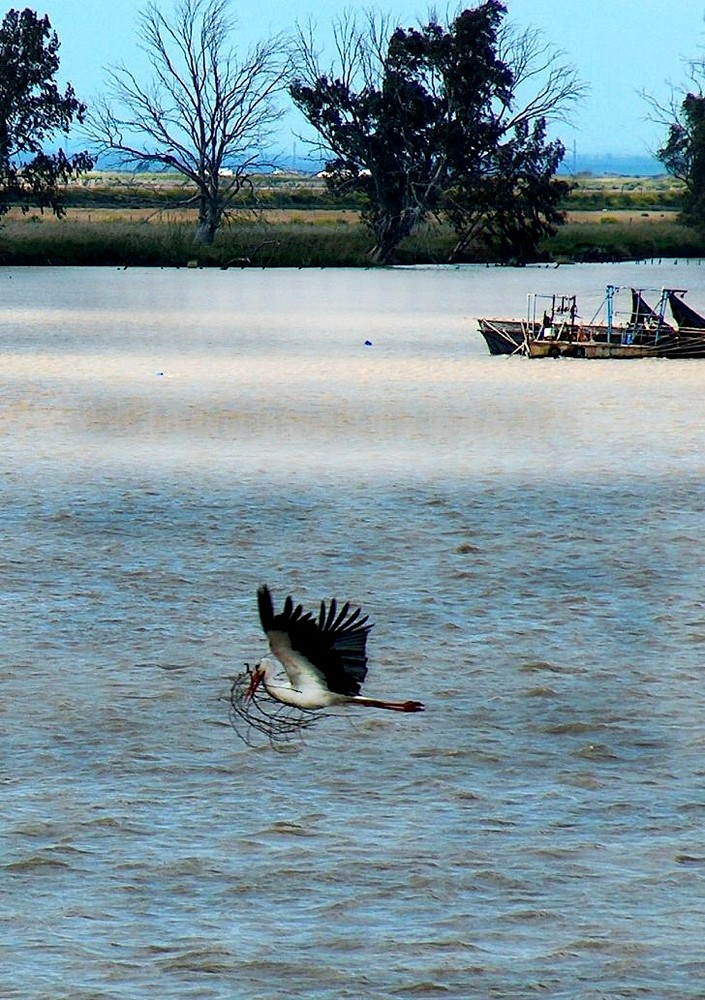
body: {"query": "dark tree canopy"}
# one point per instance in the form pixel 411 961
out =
pixel 514 204
pixel 683 155
pixel 32 111
pixel 425 121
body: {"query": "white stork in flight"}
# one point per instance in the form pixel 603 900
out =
pixel 324 657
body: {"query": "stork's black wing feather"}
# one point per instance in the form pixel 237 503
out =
pixel 334 643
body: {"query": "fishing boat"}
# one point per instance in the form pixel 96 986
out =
pixel 553 329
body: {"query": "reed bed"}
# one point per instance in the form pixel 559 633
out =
pixel 138 237
pixel 616 236
pixel 130 237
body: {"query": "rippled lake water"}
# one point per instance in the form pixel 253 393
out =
pixel 527 537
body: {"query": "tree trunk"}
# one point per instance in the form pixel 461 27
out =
pixel 209 215
pixel 390 229
pixel 205 232
pixel 460 247
pixel 383 251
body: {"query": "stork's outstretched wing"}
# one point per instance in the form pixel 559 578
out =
pixel 333 644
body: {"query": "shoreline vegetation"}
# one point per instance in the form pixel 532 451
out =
pixel 290 220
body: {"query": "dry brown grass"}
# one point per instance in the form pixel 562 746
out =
pixel 186 216
pixel 618 215
pixel 305 237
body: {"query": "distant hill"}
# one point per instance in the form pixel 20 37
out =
pixel 600 165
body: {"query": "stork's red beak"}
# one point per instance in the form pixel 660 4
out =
pixel 255 682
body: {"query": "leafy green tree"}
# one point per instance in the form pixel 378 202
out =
pixel 514 203
pixel 683 155
pixel 426 121
pixel 32 111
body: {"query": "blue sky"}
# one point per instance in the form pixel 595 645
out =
pixel 620 47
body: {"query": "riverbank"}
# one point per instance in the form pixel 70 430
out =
pixel 114 223
pixel 334 239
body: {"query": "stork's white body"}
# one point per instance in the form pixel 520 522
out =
pixel 324 660
pixel 306 691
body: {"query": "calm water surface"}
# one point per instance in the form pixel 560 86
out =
pixel 528 538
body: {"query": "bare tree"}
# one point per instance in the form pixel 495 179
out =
pixel 205 113
pixel 544 86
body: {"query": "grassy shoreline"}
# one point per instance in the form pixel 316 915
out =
pixel 126 221
pixel 340 242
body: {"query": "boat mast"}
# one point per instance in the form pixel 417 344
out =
pixel 609 300
pixel 661 312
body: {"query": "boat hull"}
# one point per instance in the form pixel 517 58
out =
pixel 683 344
pixel 503 336
pixel 586 349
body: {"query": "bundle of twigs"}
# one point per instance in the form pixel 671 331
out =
pixel 258 715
